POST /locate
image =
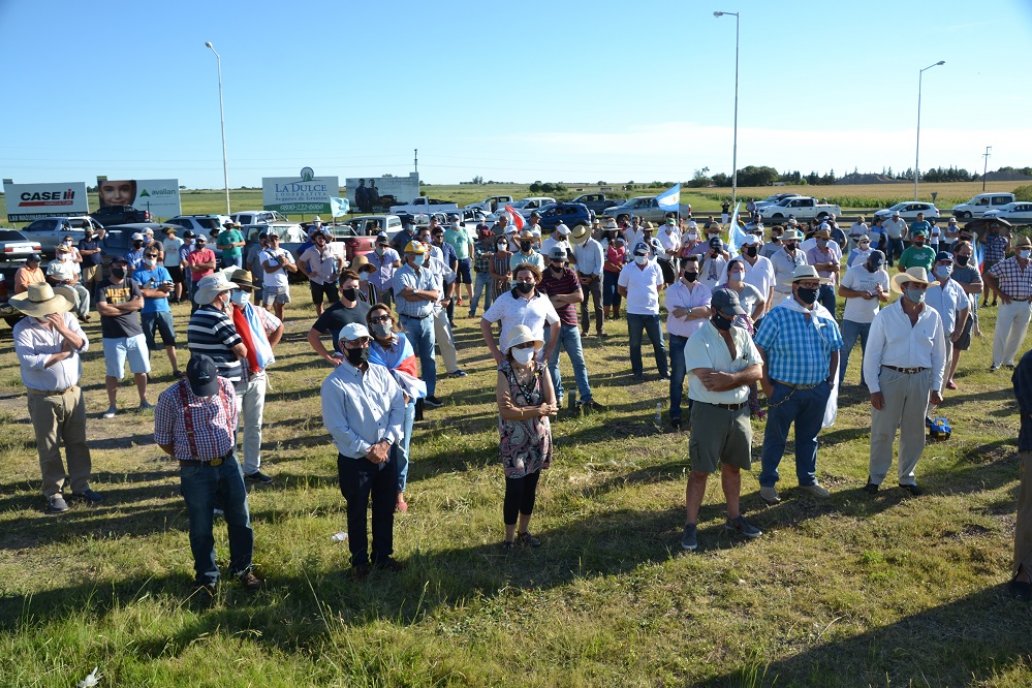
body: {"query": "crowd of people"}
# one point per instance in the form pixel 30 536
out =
pixel 747 311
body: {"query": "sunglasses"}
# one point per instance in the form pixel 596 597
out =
pixel 381 319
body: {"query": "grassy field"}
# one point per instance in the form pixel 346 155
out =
pixel 854 198
pixel 850 591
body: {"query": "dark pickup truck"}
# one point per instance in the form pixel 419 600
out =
pixel 120 215
pixel 596 202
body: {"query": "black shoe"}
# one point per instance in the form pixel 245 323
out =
pixel 257 477
pixel 457 373
pixel 870 488
pixel 912 489
pixel 433 402
pixel 249 581
pixel 209 588
pixel 56 504
pixel 390 564
pixel 664 376
pixel 675 423
pixel 1020 590
pixel 507 545
pixel 88 496
pixel 528 540
pixel 593 405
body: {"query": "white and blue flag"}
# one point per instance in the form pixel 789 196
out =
pixel 736 235
pixel 339 206
pixel 670 199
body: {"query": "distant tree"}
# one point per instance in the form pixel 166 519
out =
pixel 535 187
pixel 721 179
pixel 752 175
pixel 600 182
pixel 547 187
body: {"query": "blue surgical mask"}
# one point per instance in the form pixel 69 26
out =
pixel 943 271
pixel 915 295
pixel 419 259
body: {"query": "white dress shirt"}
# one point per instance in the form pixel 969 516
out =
pixel 893 341
pixel 360 409
pixel 34 344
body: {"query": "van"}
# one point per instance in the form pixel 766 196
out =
pixel 977 206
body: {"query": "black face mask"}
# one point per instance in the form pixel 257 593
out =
pixel 557 267
pixel 137 244
pixel 720 322
pixel 524 287
pixel 873 265
pixel 790 245
pixel 807 296
pixel 118 273
pixel 350 293
pixel 691 276
pixel 963 260
pixel 525 246
pixel 750 251
pixel 357 356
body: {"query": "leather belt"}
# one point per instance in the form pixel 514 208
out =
pixel 50 393
pixel 729 407
pixel 1015 298
pixel 905 371
pixel 417 317
pixel 799 387
pixel 214 463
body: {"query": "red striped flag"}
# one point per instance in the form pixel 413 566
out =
pixel 514 215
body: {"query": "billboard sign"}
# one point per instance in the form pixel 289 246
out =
pixel 304 194
pixel 27 202
pixel 158 196
pixel 368 193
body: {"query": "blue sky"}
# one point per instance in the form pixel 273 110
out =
pixel 570 91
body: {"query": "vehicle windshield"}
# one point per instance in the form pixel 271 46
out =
pixel 11 235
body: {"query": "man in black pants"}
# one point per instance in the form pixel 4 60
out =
pixel 363 409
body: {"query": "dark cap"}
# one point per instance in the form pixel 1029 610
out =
pixel 715 242
pixel 641 250
pixel 943 255
pixel 557 253
pixel 120 259
pixel 32 257
pixel 725 301
pixel 382 239
pixel 202 375
pixel 188 234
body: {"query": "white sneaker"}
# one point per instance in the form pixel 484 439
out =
pixel 110 413
pixel 816 490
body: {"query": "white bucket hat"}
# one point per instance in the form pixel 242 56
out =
pixel 521 334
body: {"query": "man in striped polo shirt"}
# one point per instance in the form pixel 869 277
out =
pixel 211 331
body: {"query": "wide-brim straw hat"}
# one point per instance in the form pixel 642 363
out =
pixel 808 272
pixel 40 300
pixel 242 278
pixel 915 274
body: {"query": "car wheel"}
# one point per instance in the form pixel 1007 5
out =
pixel 777 216
pixel 963 216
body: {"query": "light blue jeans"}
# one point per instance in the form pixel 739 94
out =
pixel 406 440
pixel 569 341
pixel 420 333
pixel 850 332
pixel 481 285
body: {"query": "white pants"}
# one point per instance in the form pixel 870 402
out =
pixel 443 335
pixel 1011 325
pixel 251 406
pixel 906 399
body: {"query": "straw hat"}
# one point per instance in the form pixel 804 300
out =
pixel 610 224
pixel 521 334
pixel 808 272
pixel 579 232
pixel 40 300
pixel 916 274
pixel 242 278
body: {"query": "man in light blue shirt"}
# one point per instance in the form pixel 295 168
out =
pixel 587 254
pixel 416 292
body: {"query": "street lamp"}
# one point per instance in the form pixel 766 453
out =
pixel 917 153
pixel 734 147
pixel 222 124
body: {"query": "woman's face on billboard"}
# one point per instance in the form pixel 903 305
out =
pixel 116 193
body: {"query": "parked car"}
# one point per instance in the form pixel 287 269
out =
pixel 117 238
pixel 48 231
pixel 595 202
pixel 525 206
pixel 9 313
pixel 977 206
pixel 569 214
pixel 424 205
pixel 387 223
pixel 799 207
pixel 771 200
pixel 119 215
pixel 645 207
pixel 908 210
pixel 1017 213
pixel 490 204
pixel 254 217
pixel 15 247
pixel 199 224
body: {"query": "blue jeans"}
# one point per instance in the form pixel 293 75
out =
pixel 677 374
pixel 610 294
pixel 570 342
pixel 481 285
pixel 420 334
pixel 826 296
pixel 359 480
pixel 894 249
pixel 850 331
pixel 403 449
pixel 805 407
pixel 203 486
pixel 650 323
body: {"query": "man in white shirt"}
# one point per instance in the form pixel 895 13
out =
pixel 640 283
pixel 785 263
pixel 276 262
pixel 724 364
pixel 950 301
pixel 688 309
pixel 896 231
pixel 670 239
pixel 903 367
pixel 560 237
pixel 363 409
pixel 589 259
pixel 864 287
pixel 522 305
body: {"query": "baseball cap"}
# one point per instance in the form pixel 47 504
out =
pixel 725 301
pixel 641 249
pixel 202 375
pixel 353 331
pixel 557 253
pixel 943 255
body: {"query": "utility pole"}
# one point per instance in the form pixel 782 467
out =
pixel 415 163
pixel 985 168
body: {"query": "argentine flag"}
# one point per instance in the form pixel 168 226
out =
pixel 735 233
pixel 670 199
pixel 339 206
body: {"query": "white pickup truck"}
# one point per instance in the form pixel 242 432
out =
pixel 799 207
pixel 490 204
pixel 424 206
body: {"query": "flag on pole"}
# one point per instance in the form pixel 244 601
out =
pixel 515 217
pixel 736 235
pixel 670 199
pixel 339 206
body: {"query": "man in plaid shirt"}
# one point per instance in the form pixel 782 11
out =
pixel 195 422
pixel 1011 280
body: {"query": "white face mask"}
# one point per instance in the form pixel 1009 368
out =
pixel 239 297
pixel 735 276
pixel 523 356
pixel 1025 253
pixel 641 260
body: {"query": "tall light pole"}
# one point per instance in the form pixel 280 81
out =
pixel 734 146
pixel 917 153
pixel 985 167
pixel 222 124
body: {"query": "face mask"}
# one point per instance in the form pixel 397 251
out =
pixel 68 243
pixel 823 243
pixel 523 356
pixel 690 276
pixel 418 260
pixel 239 297
pixel 357 356
pixel 943 272
pixel 873 265
pixel 381 330
pixel 750 251
pixel 525 246
pixel 736 276
pixel 915 295
pixel 1024 254
pixel 363 277
pixel 149 262
pixel 693 236
pixel 524 287
pixel 350 293
pixel 118 273
pixel 720 322
pixel 963 260
pixel 501 246
pixel 641 260
pixel 807 296
pixel 379 250
pixel 790 245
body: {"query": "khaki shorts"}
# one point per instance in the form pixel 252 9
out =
pixel 719 436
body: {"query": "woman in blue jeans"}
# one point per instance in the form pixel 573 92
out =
pixel 392 350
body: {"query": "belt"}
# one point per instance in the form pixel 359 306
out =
pixel 1015 298
pixel 905 371
pixel 729 407
pixel 791 386
pixel 417 317
pixel 50 393
pixel 214 463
